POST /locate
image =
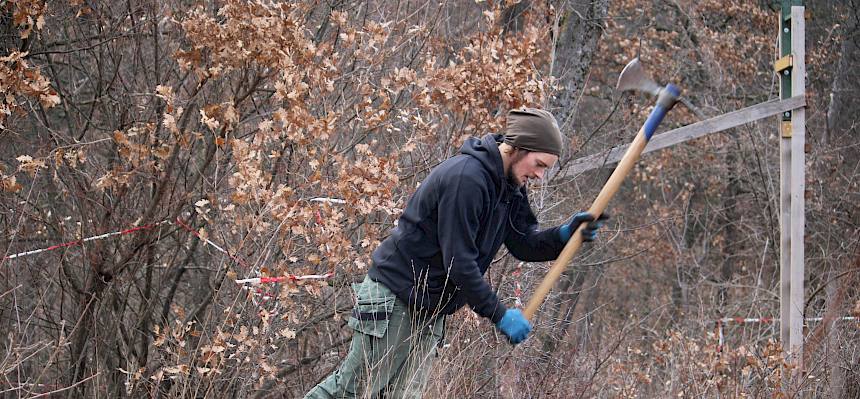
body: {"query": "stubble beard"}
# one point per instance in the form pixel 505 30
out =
pixel 512 178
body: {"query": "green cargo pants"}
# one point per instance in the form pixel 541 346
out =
pixel 392 349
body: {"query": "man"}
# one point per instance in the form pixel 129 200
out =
pixel 434 261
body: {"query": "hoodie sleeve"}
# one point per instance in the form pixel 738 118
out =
pixel 526 242
pixel 461 202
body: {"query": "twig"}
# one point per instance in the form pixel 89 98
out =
pixel 68 387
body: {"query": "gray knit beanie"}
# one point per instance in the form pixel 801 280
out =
pixel 534 130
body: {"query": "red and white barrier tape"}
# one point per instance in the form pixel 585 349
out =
pixel 742 320
pixel 280 279
pixel 210 243
pixel 329 200
pixel 255 280
pixel 252 281
pixel 81 241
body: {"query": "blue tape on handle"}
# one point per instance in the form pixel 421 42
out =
pixel 667 98
pixel 653 121
pixel 673 89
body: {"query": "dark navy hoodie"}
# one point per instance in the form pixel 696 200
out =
pixel 452 227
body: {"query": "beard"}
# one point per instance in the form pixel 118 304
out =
pixel 513 179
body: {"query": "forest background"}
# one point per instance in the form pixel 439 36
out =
pixel 232 116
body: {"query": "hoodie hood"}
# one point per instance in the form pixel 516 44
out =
pixel 486 150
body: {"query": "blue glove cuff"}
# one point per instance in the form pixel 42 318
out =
pixel 564 232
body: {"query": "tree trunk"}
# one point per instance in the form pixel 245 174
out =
pixel 581 28
pixel 842 130
pixel 512 17
pixel 845 89
pixel 732 242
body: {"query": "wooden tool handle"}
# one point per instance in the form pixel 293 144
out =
pixel 665 101
pixel 597 208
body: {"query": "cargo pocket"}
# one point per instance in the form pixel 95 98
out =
pixel 373 308
pixel 436 329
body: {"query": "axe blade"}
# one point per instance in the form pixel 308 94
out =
pixel 634 77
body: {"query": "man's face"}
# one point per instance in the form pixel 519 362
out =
pixel 527 165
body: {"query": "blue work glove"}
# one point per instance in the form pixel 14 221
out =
pixel 515 326
pixel 589 233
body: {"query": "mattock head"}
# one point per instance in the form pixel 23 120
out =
pixel 634 77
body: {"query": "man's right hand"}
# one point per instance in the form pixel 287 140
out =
pixel 515 326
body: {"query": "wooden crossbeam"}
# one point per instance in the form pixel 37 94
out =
pixel 689 132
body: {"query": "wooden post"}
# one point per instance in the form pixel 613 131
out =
pixel 798 184
pixel 792 127
pixel 784 193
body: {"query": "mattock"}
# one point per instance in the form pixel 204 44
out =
pixel 633 77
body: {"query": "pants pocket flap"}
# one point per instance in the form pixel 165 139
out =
pixel 373 307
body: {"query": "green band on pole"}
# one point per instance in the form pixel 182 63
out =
pixel 785 49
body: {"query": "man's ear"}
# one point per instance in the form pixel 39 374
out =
pixel 514 151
